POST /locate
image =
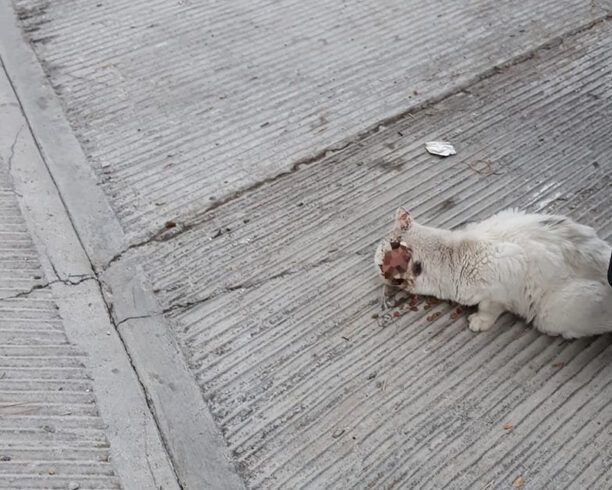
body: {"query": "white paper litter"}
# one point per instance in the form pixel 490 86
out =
pixel 441 148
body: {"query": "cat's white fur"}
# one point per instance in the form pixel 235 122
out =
pixel 546 269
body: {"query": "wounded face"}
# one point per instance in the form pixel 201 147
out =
pixel 394 257
pixel 395 262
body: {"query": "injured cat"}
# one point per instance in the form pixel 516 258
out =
pixel 546 269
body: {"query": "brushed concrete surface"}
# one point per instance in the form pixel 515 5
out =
pixel 272 298
pixel 138 370
pixel 266 296
pixel 51 432
pixel 73 412
pixel 180 104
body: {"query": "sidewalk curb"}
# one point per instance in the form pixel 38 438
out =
pixel 82 212
pixel 137 451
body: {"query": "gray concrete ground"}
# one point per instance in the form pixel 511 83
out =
pixel 67 387
pixel 191 193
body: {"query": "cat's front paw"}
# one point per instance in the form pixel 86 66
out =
pixel 479 323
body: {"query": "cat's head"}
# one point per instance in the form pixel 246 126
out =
pixel 397 255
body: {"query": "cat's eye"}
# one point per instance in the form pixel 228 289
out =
pixel 417 268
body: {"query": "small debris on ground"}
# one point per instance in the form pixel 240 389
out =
pixel 371 375
pixel 457 312
pixel 558 364
pixel 401 298
pixel 384 320
pixel 337 433
pixel 519 482
pixel 440 148
pixel 169 224
pixel 481 167
pixel 395 297
pixel 507 426
pixel 381 384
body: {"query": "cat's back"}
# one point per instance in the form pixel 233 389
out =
pixel 513 226
pixel 549 237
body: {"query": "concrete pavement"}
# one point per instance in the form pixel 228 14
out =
pixel 219 175
pixel 73 413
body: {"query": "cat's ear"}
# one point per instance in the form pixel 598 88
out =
pixel 403 220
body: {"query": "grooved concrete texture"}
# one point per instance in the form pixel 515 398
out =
pixel 67 388
pixel 51 434
pixel 180 103
pixel 272 297
pixel 126 356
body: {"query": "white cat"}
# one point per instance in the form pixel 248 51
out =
pixel 546 269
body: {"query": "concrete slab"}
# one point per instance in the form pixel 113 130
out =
pixel 139 373
pixel 51 433
pixel 192 437
pixel 67 387
pixel 100 232
pixel 178 105
pixel 270 294
pixel 271 297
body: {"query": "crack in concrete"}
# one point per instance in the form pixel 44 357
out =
pixel 247 285
pixel 161 235
pixel 45 285
pixel 12 150
pixel 228 289
pixel 107 303
pixel 152 411
pixel 54 269
pixel 137 317
pixel 203 216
